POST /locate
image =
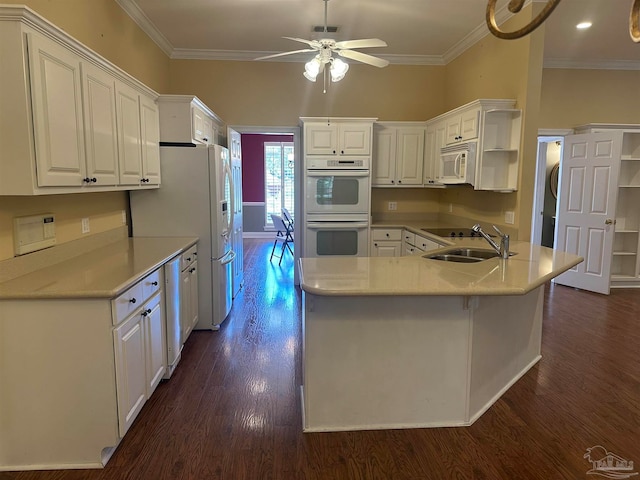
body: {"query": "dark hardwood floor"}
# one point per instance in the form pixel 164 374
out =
pixel 232 409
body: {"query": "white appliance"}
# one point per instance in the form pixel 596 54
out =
pixel 337 235
pixel 172 314
pixel 337 202
pixel 195 199
pixel 458 164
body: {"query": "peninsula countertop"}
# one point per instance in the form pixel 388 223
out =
pixel 104 272
pixel 531 267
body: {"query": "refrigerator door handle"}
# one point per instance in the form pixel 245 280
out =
pixel 228 257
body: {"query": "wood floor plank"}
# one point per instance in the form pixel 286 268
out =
pixel 232 409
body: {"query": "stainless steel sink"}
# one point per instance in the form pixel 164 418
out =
pixel 463 255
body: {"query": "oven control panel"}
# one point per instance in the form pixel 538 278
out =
pixel 337 164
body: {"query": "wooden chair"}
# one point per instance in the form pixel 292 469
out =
pixel 283 236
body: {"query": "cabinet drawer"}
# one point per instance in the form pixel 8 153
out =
pixel 123 305
pixel 151 284
pixel 188 257
pixel 426 244
pixel 409 237
pixel 381 234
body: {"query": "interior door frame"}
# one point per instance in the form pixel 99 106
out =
pixel 544 136
pixel 297 179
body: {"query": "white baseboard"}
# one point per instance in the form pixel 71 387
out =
pixel 258 234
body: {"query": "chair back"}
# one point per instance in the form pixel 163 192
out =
pixel 278 224
pixel 287 216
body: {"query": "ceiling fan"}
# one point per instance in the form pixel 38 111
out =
pixel 326 47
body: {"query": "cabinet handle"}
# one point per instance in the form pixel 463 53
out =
pixel 133 300
pixel 155 284
pixel 146 312
pixel 144 180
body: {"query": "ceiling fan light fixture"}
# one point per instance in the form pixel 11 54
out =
pixel 338 69
pixel 312 69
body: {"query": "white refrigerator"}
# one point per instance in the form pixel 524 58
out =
pixel 195 199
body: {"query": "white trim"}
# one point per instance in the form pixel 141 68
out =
pixel 554 132
pixel 591 64
pixel 253 204
pixel 132 9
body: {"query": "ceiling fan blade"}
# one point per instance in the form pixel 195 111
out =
pixel 305 50
pixel 363 57
pixel 312 43
pixel 363 43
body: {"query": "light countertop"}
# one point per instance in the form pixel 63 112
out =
pixel 104 272
pixel 531 267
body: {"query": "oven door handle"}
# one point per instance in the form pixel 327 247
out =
pixel 336 225
pixel 338 173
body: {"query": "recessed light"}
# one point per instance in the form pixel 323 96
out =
pixel 583 25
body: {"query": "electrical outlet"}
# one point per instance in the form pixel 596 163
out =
pixel 451 208
pixel 393 206
pixel 85 225
pixel 509 218
pixel 124 217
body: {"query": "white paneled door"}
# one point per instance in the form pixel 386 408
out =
pixel 586 210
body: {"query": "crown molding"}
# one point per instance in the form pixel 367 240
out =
pixel 591 64
pixel 244 55
pixel 137 15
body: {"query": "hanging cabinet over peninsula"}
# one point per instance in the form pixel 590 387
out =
pixel 70 121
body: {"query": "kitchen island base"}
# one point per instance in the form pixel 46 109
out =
pixel 386 362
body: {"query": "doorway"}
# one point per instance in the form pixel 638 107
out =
pixel 254 180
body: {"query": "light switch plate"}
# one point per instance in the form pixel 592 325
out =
pixel 85 225
pixel 509 218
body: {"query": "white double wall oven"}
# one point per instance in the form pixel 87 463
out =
pixel 337 204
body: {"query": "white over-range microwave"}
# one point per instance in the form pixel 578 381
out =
pixel 458 164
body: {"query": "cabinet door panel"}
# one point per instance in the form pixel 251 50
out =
pixel 129 136
pixel 150 131
pixel 155 337
pixel 355 139
pixel 410 156
pixel 57 113
pixel 131 377
pixel 384 157
pixel 321 139
pixel 100 125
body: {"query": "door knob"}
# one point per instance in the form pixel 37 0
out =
pixel 608 221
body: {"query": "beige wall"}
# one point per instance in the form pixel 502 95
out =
pixel 104 27
pixel 276 93
pixel 495 68
pixel 409 200
pixel 575 97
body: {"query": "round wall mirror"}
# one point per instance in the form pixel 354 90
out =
pixel 553 180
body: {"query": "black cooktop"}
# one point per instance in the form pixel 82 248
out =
pixel 453 232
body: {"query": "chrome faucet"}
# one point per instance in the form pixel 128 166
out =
pixel 503 248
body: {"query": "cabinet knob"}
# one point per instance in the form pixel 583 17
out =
pixel 94 180
pixel 393 181
pixel 155 284
pixel 133 300
pixel 191 270
pixel 334 151
pixel 375 244
pixel 144 180
pixel 188 259
pixel 146 312
pixel 86 180
pixel 195 254
pixel 387 234
pixel 399 181
pixel 205 139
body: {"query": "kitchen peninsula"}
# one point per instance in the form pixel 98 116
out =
pixel 410 342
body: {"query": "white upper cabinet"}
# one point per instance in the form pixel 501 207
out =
pixel 70 121
pixel 434 140
pixel 185 119
pixel 463 126
pixel 150 141
pixel 398 156
pixel 57 113
pixel 337 137
pixel 100 128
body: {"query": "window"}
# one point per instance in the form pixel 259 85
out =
pixel 278 179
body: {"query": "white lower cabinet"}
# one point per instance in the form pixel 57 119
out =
pixel 131 372
pixel 139 346
pixel 414 244
pixel 386 242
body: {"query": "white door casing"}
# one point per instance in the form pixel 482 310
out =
pixel 586 208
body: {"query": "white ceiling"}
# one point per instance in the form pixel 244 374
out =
pixel 416 31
